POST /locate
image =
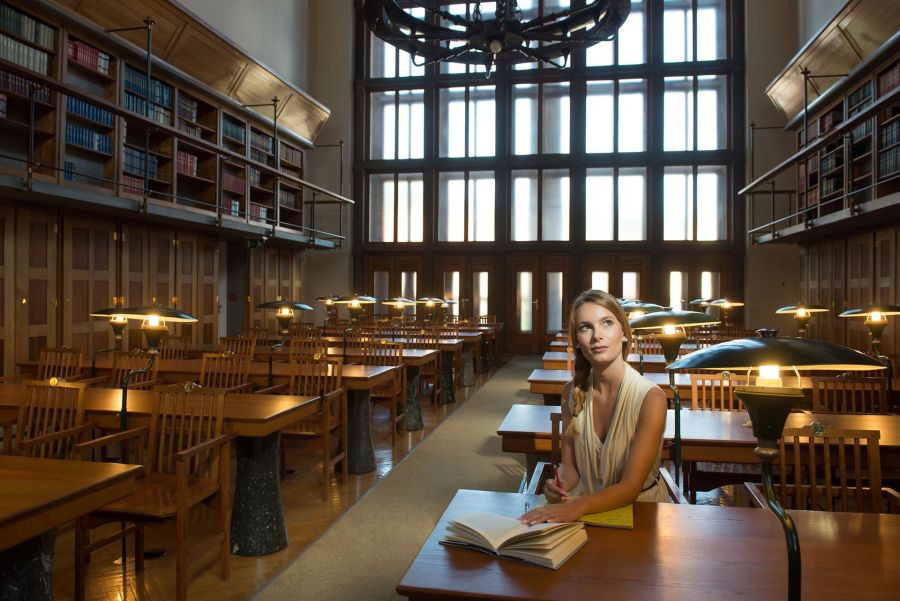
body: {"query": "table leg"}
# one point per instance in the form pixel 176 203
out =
pixel 468 368
pixel 26 570
pixel 257 518
pixel 447 385
pixel 485 355
pixel 413 409
pixel 360 451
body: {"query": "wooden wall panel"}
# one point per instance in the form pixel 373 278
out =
pixel 884 280
pixel 186 282
pixel 37 299
pixel 859 286
pixel 135 279
pixel 255 288
pixel 7 290
pixel 161 244
pixel 207 282
pixel 89 281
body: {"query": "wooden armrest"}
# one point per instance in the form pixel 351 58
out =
pixel 83 447
pixel 65 433
pixel 90 381
pixel 541 472
pixel 674 492
pixel 146 385
pixel 759 499
pixel 203 446
pixel 246 386
pixel 893 499
pixel 277 389
pixel 16 378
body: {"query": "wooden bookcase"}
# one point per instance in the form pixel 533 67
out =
pixel 290 193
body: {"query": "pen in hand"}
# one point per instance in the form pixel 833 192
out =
pixel 558 483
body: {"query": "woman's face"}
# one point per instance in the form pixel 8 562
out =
pixel 598 333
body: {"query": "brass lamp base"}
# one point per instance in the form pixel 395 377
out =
pixel 670 344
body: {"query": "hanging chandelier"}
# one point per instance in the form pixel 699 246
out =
pixel 443 36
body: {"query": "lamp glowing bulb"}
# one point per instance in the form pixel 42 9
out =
pixel 877 316
pixel 636 314
pixel 153 321
pixel 354 304
pixel 669 330
pixel 118 319
pixel 329 302
pixel 726 305
pixel 769 376
pixel 802 313
pixel 429 304
pixel 285 312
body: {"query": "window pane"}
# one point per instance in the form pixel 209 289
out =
pixel 453 117
pixel 600 280
pixel 381 289
pixel 712 214
pixel 451 290
pixel 383 119
pixel 555 205
pixel 524 297
pixel 709 284
pixel 480 293
pixel 487 9
pixel 631 204
pixel 529 10
pixel 555 123
pixel 409 208
pixel 598 205
pixel 481 121
pixel 381 208
pixel 631 285
pixel 525 118
pixel 382 58
pixel 600 54
pixel 451 199
pixel 677 288
pixel 554 301
pixel 712 121
pixel 711 30
pixel 411 124
pixel 631 36
pixel 678 36
pixel 678 117
pixel 524 206
pixel 481 206
pixel 598 117
pixel 408 289
pixel 631 115
pixel 678 203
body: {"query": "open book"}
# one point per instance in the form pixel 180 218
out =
pixel 547 545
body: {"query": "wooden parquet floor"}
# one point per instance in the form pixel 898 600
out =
pixel 307 515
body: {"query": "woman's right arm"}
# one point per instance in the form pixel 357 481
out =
pixel 568 469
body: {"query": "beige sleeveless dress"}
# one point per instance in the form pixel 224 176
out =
pixel 601 464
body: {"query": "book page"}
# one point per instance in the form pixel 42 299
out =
pixel 493 531
pixel 554 557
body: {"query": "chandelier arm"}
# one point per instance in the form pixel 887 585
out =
pixel 456 52
pixel 544 59
pixel 456 19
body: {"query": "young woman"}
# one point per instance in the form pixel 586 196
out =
pixel 613 421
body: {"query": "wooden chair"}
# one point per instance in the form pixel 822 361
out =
pixel 839 470
pixel 173 347
pixel 50 419
pixel 226 371
pixel 303 348
pixel 303 329
pixel 430 375
pixel 321 377
pixel 394 391
pixel 62 363
pixel 238 345
pixel 843 394
pixel 126 361
pixel 570 359
pixel 187 460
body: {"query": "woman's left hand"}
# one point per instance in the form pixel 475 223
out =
pixel 568 511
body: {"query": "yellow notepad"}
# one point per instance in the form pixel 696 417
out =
pixel 623 517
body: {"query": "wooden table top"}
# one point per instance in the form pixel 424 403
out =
pixel 245 414
pixel 674 552
pixel 562 343
pixel 37 495
pixel 444 344
pixel 411 356
pixel 557 360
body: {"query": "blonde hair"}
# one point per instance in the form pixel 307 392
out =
pixel 581 379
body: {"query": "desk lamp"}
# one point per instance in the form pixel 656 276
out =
pixel 768 403
pixel 701 302
pixel 725 305
pixel 443 308
pixel 634 309
pixel 397 305
pixel 284 314
pixel 876 319
pixel 117 322
pixel 668 328
pixel 355 308
pixel 431 304
pixel 153 325
pixel 330 308
pixel 801 313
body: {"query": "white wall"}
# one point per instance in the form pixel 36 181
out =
pixel 812 15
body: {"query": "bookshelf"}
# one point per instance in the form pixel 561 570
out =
pixel 263 185
pixel 888 143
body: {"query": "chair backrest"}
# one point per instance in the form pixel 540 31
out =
pixel 173 347
pixel 182 419
pixel 59 363
pixel 315 377
pixel 422 339
pixel 450 330
pixel 570 359
pixel 49 407
pixel 224 370
pixel 555 432
pixel 715 392
pixel 383 353
pixel 487 319
pixel 849 395
pixel 126 361
pixel 357 338
pixel 305 347
pixel 238 345
pixel 838 470
pixel 648 345
pixel 303 329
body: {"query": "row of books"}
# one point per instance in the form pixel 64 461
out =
pixel 889 80
pixel 90 57
pixel 2 105
pixel 233 183
pixel 832 184
pixel 189 128
pixel 255 177
pixel 140 106
pixel 89 111
pixel 136 82
pixel 186 163
pixel 24 26
pixel 187 108
pixel 231 207
pixel 69 170
pixel 261 141
pixel 134 163
pixel 259 156
pixel 292 155
pixel 287 198
pixel 258 212
pixel 132 184
pixel 862 130
pixel 233 129
pixel 863 94
pixel 23 55
pixel 890 134
pixel 832 160
pixel 87 138
pixel 889 161
pixel 20 85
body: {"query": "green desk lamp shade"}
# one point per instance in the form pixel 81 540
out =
pixel 355 302
pixel 701 302
pixel 638 308
pixel 398 301
pixel 279 304
pixel 876 320
pixel 725 305
pixel 769 404
pixel 802 314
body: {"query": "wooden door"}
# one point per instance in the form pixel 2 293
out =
pixel 255 288
pixel 37 298
pixel 471 281
pixel 7 290
pixel 838 291
pixel 185 297
pixel 89 274
pixel 207 283
pixel 161 246
pixel 859 287
pixel 391 275
pixel 134 290
pixel 539 299
pixel 885 282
